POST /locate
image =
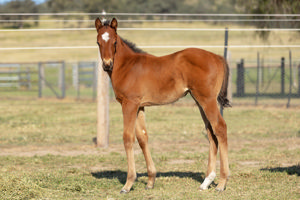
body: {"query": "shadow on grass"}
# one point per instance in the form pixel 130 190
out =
pixel 267 95
pixel 121 175
pixel 292 170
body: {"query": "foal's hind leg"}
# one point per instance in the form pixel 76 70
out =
pixel 213 149
pixel 219 128
pixel 142 137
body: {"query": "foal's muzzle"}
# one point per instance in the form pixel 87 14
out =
pixel 107 64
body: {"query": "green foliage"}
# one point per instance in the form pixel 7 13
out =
pixel 136 6
pixel 271 7
pixel 158 6
pixel 166 6
pixel 143 6
pixel 17 6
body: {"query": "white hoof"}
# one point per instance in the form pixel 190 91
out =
pixel 208 180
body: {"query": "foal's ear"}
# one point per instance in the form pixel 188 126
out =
pixel 98 24
pixel 114 24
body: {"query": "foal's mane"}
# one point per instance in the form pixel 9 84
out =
pixel 130 44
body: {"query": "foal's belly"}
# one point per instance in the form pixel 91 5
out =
pixel 163 97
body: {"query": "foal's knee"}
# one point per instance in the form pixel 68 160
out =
pixel 128 139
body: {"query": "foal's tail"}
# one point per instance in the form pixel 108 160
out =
pixel 222 98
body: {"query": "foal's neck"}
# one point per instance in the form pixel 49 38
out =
pixel 124 49
pixel 123 53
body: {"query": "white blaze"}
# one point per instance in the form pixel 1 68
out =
pixel 105 36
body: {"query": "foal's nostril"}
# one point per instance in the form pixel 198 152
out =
pixel 107 62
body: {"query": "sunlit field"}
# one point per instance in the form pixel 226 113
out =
pixel 47 152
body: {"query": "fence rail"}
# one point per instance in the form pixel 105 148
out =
pixel 153 47
pixel 11 75
pixel 152 29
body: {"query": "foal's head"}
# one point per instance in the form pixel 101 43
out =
pixel 107 41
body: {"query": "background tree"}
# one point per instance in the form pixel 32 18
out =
pixel 19 6
pixel 271 7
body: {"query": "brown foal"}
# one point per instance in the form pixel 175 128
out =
pixel 140 79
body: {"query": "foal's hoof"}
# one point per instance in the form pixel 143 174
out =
pixel 123 191
pixel 149 187
pixel 220 189
pixel 201 188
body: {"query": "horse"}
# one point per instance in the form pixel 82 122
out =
pixel 140 79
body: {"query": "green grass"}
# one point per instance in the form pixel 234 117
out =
pixel 47 152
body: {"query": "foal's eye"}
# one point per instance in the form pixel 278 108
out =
pixel 98 43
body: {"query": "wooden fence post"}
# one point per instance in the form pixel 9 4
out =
pixel 102 106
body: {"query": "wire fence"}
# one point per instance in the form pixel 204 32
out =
pixel 252 83
pixel 152 20
pixel 262 84
pixel 130 18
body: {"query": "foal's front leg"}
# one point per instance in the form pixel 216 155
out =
pixel 129 110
